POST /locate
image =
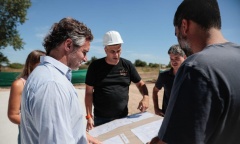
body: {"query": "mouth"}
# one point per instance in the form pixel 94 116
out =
pixel 80 63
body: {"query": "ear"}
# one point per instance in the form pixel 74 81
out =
pixel 105 49
pixel 184 27
pixel 67 44
pixel 184 57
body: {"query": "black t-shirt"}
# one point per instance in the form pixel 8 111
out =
pixel 165 79
pixel 111 86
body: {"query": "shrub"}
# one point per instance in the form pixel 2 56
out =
pixel 16 66
pixel 139 63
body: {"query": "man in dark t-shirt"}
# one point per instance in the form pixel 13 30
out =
pixel 107 84
pixel 166 78
pixel 204 107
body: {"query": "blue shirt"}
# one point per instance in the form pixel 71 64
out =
pixel 50 109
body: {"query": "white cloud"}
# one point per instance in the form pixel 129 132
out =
pixel 96 41
pixel 41 32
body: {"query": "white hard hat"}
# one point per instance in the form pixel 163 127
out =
pixel 112 38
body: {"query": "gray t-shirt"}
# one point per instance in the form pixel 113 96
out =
pixel 204 106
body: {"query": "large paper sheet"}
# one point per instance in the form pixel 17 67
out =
pixel 146 132
pixel 95 132
pixel 119 139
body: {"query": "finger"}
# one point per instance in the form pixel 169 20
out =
pixel 144 109
pixel 139 106
pixel 89 127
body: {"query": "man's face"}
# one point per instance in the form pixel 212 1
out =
pixel 78 55
pixel 176 60
pixel 182 40
pixel 113 53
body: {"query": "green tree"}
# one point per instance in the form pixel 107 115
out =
pixel 153 65
pixel 139 63
pixel 16 65
pixel 90 61
pixel 3 60
pixel 12 13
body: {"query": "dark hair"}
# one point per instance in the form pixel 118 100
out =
pixel 187 51
pixel 176 50
pixel 67 28
pixel 31 61
pixel 204 12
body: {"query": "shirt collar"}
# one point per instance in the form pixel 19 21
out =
pixel 58 65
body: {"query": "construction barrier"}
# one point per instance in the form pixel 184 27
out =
pixel 6 78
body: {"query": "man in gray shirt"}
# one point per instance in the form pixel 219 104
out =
pixel 204 106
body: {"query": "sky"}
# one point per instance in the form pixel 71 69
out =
pixel 146 26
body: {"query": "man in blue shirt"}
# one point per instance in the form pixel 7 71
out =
pixel 50 110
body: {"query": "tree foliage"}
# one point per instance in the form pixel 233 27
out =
pixel 90 61
pixel 139 63
pixel 153 65
pixel 13 13
pixel 3 59
pixel 16 65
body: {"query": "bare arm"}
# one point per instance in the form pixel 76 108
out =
pixel 157 110
pixel 92 140
pixel 144 103
pixel 14 101
pixel 88 104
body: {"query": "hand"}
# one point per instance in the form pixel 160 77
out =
pixel 90 124
pixel 156 140
pixel 143 104
pixel 92 140
pixel 159 112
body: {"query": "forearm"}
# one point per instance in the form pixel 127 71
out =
pixel 14 118
pixel 142 88
pixel 88 103
pixel 155 100
pixel 155 97
pixel 144 103
pixel 89 99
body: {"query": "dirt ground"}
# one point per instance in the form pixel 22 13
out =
pixel 135 97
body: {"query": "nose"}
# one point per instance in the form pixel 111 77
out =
pixel 85 59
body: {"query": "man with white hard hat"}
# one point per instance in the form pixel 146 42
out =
pixel 107 84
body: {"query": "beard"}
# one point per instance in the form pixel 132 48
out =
pixel 74 61
pixel 75 65
pixel 182 40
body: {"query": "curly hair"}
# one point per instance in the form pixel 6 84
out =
pixel 67 28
